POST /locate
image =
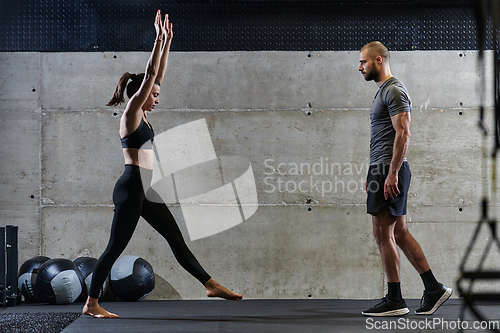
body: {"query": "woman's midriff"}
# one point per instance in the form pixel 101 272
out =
pixel 141 157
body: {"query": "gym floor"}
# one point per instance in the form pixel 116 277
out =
pixel 259 316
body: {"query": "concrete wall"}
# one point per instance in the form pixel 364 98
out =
pixel 61 156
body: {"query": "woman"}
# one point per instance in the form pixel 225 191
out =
pixel 129 196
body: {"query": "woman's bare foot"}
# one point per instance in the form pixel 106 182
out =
pixel 91 308
pixel 214 289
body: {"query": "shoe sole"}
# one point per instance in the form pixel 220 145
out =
pixel 440 302
pixel 392 313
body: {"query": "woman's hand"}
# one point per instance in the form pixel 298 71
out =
pixel 168 29
pixel 160 29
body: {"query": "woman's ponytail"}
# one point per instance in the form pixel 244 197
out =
pixel 118 97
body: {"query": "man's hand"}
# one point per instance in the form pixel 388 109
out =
pixel 391 189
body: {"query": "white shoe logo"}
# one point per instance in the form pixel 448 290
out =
pixel 215 194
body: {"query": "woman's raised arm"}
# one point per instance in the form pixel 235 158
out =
pixel 152 68
pixel 169 34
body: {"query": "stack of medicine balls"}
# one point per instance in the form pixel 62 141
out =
pixel 62 281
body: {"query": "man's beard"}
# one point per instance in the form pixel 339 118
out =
pixel 372 75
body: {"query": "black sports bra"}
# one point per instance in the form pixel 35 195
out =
pixel 140 137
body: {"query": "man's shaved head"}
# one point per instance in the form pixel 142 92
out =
pixel 374 49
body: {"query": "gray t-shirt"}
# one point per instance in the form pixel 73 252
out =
pixel 391 98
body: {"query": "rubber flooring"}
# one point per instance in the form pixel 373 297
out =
pixel 257 316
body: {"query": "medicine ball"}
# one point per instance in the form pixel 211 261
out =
pixel 132 278
pixel 27 277
pixel 86 266
pixel 59 281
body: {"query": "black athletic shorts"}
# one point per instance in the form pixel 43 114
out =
pixel 375 180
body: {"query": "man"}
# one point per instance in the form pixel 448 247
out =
pixel 387 186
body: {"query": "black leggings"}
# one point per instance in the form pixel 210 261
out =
pixel 131 203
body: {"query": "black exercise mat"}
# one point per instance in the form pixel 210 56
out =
pixel 38 322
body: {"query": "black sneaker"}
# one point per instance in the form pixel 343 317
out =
pixel 431 301
pixel 387 308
